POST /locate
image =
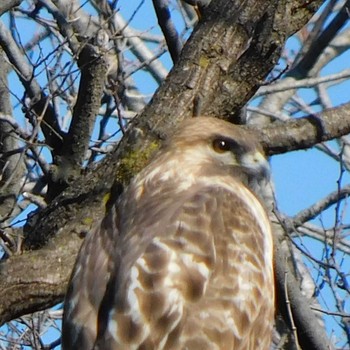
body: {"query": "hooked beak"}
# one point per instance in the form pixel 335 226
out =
pixel 256 165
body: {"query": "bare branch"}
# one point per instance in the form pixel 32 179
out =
pixel 25 72
pixel 316 209
pixel 140 50
pixel 170 34
pixel 283 85
pixel 318 45
pixel 310 335
pixel 11 161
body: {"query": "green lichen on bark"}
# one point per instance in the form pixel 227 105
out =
pixel 134 162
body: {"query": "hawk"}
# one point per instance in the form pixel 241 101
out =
pixel 183 259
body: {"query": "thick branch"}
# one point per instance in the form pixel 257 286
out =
pixel 64 22
pixel 227 57
pixel 302 133
pixel 93 69
pixel 70 158
pixel 37 279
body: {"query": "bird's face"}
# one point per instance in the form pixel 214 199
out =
pixel 208 146
pixel 233 148
pixel 239 154
pixel 202 144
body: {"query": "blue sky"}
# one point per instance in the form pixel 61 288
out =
pixel 301 178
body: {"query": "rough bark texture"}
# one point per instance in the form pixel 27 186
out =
pixel 25 290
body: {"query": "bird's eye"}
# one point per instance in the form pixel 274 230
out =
pixel 221 146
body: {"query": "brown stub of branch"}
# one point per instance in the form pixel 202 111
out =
pixel 302 133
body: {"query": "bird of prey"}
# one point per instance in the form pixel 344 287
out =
pixel 183 259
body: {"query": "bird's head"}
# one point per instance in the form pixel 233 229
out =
pixel 214 142
pixel 202 148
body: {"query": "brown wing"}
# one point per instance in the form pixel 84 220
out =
pixel 88 285
pixel 201 278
